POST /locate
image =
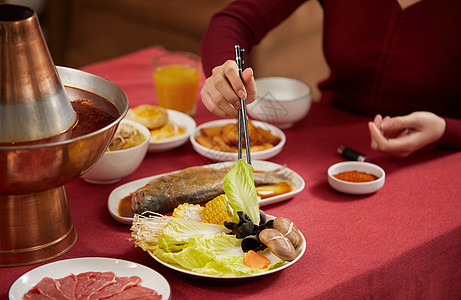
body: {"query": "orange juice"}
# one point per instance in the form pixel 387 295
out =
pixel 176 87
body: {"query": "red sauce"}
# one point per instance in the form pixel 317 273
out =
pixel 355 176
pixel 93 112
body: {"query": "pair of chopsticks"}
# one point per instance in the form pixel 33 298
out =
pixel 242 112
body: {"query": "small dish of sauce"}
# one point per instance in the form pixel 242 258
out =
pixel 355 176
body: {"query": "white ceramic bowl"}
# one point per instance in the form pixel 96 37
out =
pixel 356 188
pixel 230 156
pixel 280 101
pixel 114 165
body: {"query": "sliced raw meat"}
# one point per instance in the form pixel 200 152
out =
pixel 97 282
pixel 121 284
pixel 34 294
pixel 136 293
pixel 83 281
pixel 91 285
pixel 47 287
pixel 67 286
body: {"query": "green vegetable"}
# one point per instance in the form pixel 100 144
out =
pixel 240 190
pixel 176 233
pixel 199 247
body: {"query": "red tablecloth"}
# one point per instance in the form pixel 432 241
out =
pixel 402 242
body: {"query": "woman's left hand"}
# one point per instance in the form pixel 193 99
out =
pixel 403 135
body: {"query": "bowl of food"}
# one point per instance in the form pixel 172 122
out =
pixel 123 156
pixel 355 177
pixel 168 128
pixel 218 140
pixel 280 101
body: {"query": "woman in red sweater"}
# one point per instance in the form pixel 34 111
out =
pixel 395 58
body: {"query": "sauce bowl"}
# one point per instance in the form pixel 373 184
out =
pixel 356 188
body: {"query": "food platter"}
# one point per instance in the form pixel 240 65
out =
pixel 299 253
pixel 231 156
pixel 296 181
pixel 59 269
pixel 181 119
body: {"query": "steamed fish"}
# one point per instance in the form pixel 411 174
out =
pixel 191 185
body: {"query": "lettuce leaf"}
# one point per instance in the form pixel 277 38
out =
pixel 176 233
pixel 240 190
pixel 219 254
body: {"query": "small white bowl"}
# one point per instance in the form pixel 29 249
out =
pixel 356 188
pixel 216 155
pixel 280 101
pixel 114 165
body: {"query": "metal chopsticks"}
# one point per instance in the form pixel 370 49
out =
pixel 242 112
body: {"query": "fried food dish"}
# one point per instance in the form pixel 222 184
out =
pixel 167 131
pixel 225 138
pixel 150 116
pixel 155 118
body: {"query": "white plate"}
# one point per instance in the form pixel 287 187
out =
pixel 299 253
pixel 179 118
pixel 229 156
pixel 297 182
pixel 62 268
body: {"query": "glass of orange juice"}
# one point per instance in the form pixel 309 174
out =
pixel 176 79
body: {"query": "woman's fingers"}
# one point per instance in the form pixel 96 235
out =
pixel 215 102
pixel 222 91
pixel 250 85
pixel 403 135
pixel 375 134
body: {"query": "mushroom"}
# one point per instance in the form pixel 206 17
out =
pixel 288 229
pixel 278 244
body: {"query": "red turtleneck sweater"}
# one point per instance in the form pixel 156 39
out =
pixel 382 59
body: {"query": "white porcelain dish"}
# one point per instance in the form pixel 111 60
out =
pixel 62 268
pixel 299 253
pixel 297 182
pixel 181 119
pixel 281 101
pixel 356 188
pixel 114 165
pixel 230 156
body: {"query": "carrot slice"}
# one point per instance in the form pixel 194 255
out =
pixel 256 261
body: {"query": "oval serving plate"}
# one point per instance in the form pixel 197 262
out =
pixel 231 156
pixel 299 253
pixel 181 119
pixel 120 192
pixel 62 268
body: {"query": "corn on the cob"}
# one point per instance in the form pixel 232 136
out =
pixel 218 210
pixel 190 212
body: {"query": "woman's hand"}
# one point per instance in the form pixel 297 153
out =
pixel 401 136
pixel 223 90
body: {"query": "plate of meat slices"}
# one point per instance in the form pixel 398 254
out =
pixel 276 183
pixel 90 278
